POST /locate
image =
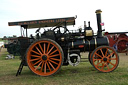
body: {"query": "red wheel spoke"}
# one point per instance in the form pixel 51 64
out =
pixel 45 67
pixel 35 52
pixel 53 62
pixel 111 63
pixel 42 67
pixel 110 54
pixel 112 58
pixel 50 50
pixel 98 55
pixel 34 59
pixel 52 66
pixel 102 52
pixel 99 63
pixel 35 56
pixel 38 66
pixel 48 47
pixel 48 66
pixel 96 59
pixel 36 62
pixel 54 55
pixel 106 52
pixel 44 49
pixel 107 66
pixel 39 51
pixel 53 52
pixel 102 66
pixel 41 48
pixel 55 59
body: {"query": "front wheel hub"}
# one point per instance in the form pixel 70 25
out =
pixel 105 59
pixel 44 57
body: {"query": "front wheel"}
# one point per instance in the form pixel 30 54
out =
pixel 105 59
pixel 44 57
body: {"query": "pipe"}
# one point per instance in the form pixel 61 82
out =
pixel 98 16
pixel 107 33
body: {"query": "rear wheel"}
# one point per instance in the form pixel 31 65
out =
pixel 105 59
pixel 44 57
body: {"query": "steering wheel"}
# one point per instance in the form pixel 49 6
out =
pixel 38 31
pixel 59 31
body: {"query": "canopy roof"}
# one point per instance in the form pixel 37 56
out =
pixel 45 22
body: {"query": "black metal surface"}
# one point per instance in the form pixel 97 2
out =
pixel 98 16
pixel 88 45
pixel 24 43
pixel 116 32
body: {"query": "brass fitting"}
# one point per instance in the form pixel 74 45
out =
pixel 98 11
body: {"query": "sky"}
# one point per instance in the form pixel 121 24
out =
pixel 114 13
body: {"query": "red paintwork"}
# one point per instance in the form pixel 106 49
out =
pixel 120 40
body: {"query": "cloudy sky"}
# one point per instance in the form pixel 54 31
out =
pixel 114 15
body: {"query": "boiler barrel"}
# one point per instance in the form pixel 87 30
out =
pixel 86 45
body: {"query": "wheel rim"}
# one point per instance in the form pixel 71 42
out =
pixel 89 57
pixel 44 58
pixel 105 59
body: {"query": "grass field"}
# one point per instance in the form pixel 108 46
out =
pixel 83 74
pixel 1 39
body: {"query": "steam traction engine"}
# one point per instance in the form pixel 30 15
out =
pixel 12 46
pixel 45 53
pixel 118 40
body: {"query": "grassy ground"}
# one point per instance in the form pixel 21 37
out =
pixel 0 39
pixel 83 74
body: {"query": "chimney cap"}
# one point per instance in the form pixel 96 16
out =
pixel 98 11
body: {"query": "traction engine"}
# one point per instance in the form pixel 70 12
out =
pixel 46 52
pixel 118 40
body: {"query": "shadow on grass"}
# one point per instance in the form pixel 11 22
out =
pixel 65 71
pixel 82 69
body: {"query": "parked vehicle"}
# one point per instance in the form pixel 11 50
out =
pixel 46 52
